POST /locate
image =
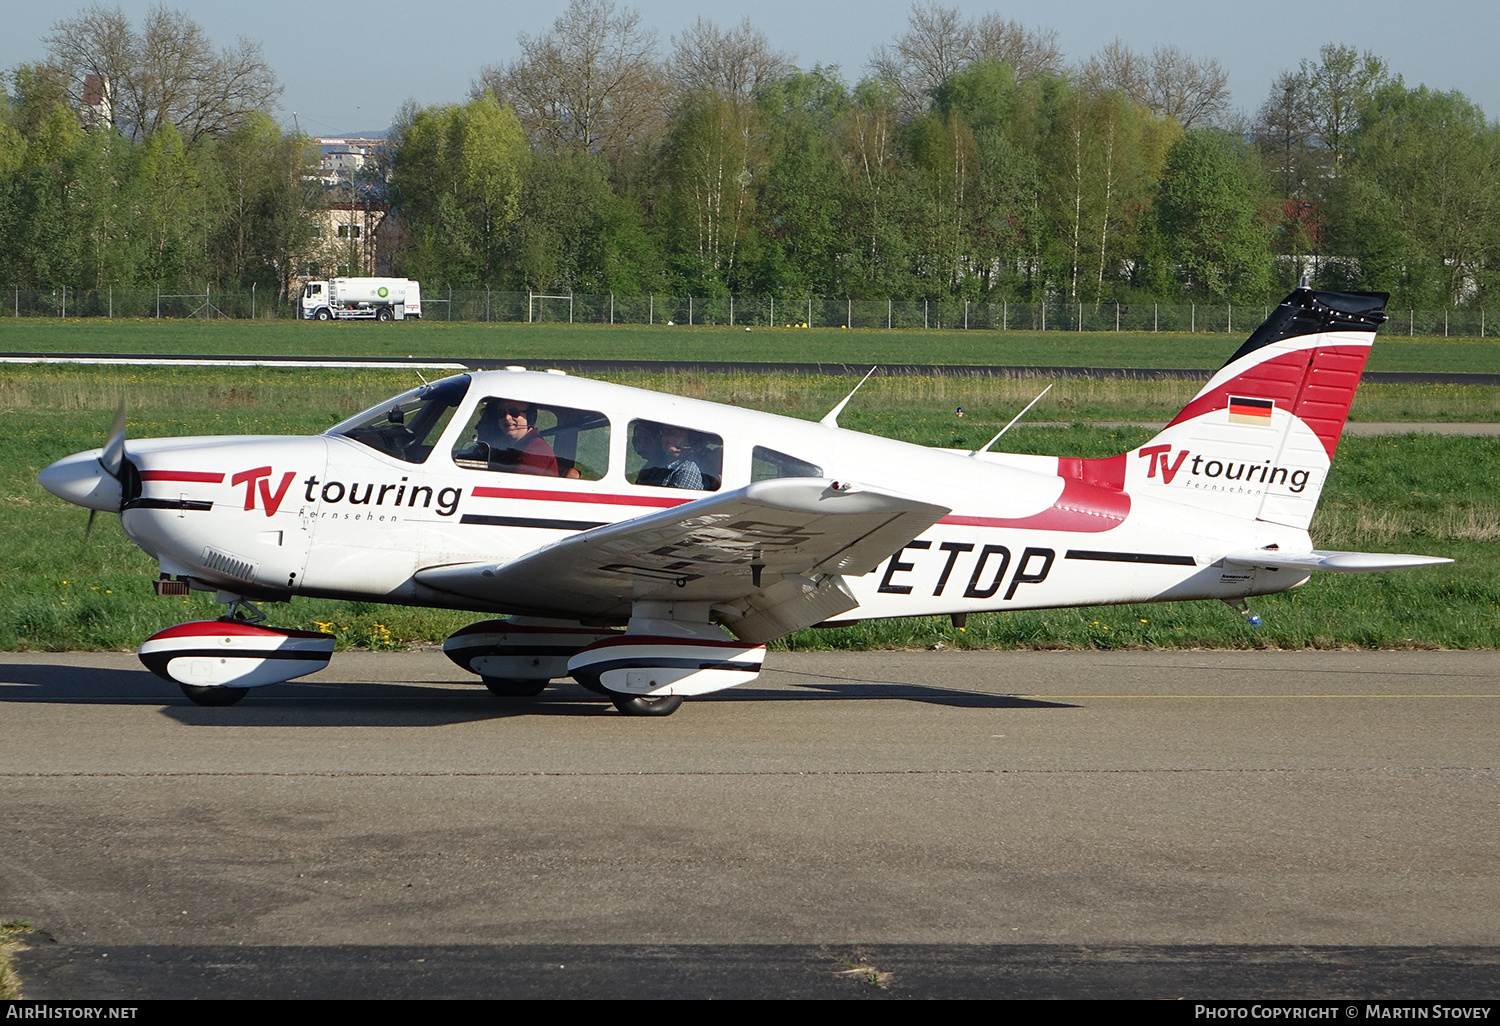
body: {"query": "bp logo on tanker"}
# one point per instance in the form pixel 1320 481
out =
pixel 382 292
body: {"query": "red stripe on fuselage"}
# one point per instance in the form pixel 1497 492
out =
pixel 203 476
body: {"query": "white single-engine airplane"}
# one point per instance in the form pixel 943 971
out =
pixel 579 508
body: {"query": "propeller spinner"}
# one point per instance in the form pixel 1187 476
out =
pixel 94 479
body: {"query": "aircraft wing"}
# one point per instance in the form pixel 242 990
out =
pixel 770 557
pixel 1337 562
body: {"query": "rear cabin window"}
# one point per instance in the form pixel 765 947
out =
pixel 513 436
pixel 672 456
pixel 766 464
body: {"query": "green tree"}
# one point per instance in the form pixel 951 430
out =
pixel 877 193
pixel 1418 206
pixel 1339 86
pixel 574 233
pixel 713 155
pixel 266 223
pixel 457 177
pixel 802 193
pixel 1210 230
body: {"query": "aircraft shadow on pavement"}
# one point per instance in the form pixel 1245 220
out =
pixel 408 704
pixel 864 690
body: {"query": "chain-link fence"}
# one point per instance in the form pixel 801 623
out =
pixel 748 311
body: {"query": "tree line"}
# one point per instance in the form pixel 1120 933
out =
pixel 971 162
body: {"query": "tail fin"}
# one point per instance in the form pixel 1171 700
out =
pixel 1257 441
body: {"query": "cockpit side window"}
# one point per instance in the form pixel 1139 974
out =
pixel 515 436
pixel 408 426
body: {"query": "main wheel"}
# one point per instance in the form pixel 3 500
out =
pixel 323 315
pixel 213 696
pixel 642 705
pixel 509 687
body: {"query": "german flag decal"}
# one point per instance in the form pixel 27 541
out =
pixel 1250 411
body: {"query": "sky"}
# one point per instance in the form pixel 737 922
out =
pixel 348 65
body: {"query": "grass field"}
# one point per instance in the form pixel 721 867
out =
pixel 1438 495
pixel 540 342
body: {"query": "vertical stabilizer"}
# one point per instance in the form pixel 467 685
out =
pixel 1257 441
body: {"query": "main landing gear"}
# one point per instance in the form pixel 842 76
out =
pixel 667 652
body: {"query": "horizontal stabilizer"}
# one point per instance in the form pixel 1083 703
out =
pixel 1336 562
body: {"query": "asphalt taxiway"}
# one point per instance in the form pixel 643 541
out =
pixel 870 824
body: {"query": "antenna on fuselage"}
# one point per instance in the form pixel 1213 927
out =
pixel 422 379
pixel 1012 423
pixel 832 419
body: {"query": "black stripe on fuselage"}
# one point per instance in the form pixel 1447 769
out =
pixel 166 655
pixel 554 525
pixel 1131 557
pixel 178 504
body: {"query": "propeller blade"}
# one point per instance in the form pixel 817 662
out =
pixel 113 457
pixel 88 528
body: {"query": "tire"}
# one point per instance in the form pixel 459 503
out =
pixel 384 314
pixel 213 696
pixel 640 705
pixel 322 315
pixel 509 687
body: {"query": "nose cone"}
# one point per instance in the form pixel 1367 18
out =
pixel 82 480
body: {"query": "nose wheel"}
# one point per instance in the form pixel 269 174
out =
pixel 216 697
pixel 509 687
pixel 641 705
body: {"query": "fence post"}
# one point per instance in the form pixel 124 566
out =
pixel 849 314
pixel 486 304
pixel 1411 322
pixel 1445 315
pixel 1155 317
pixel 887 313
pixel 1192 318
pixel 809 311
pixel 252 302
pixel 773 311
pixel 1117 315
pixel 158 300
pixel 966 315
pixel 1080 316
pixel 1004 314
pixel 570 306
pixel 1044 312
pixel 611 309
pixel 924 311
pixel 65 310
pixel 112 308
pixel 651 309
pixel 731 309
pixel 1230 330
pixel 450 302
pixel 690 310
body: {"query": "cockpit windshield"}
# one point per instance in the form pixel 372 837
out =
pixel 408 426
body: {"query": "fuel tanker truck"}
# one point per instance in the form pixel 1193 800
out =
pixel 353 299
